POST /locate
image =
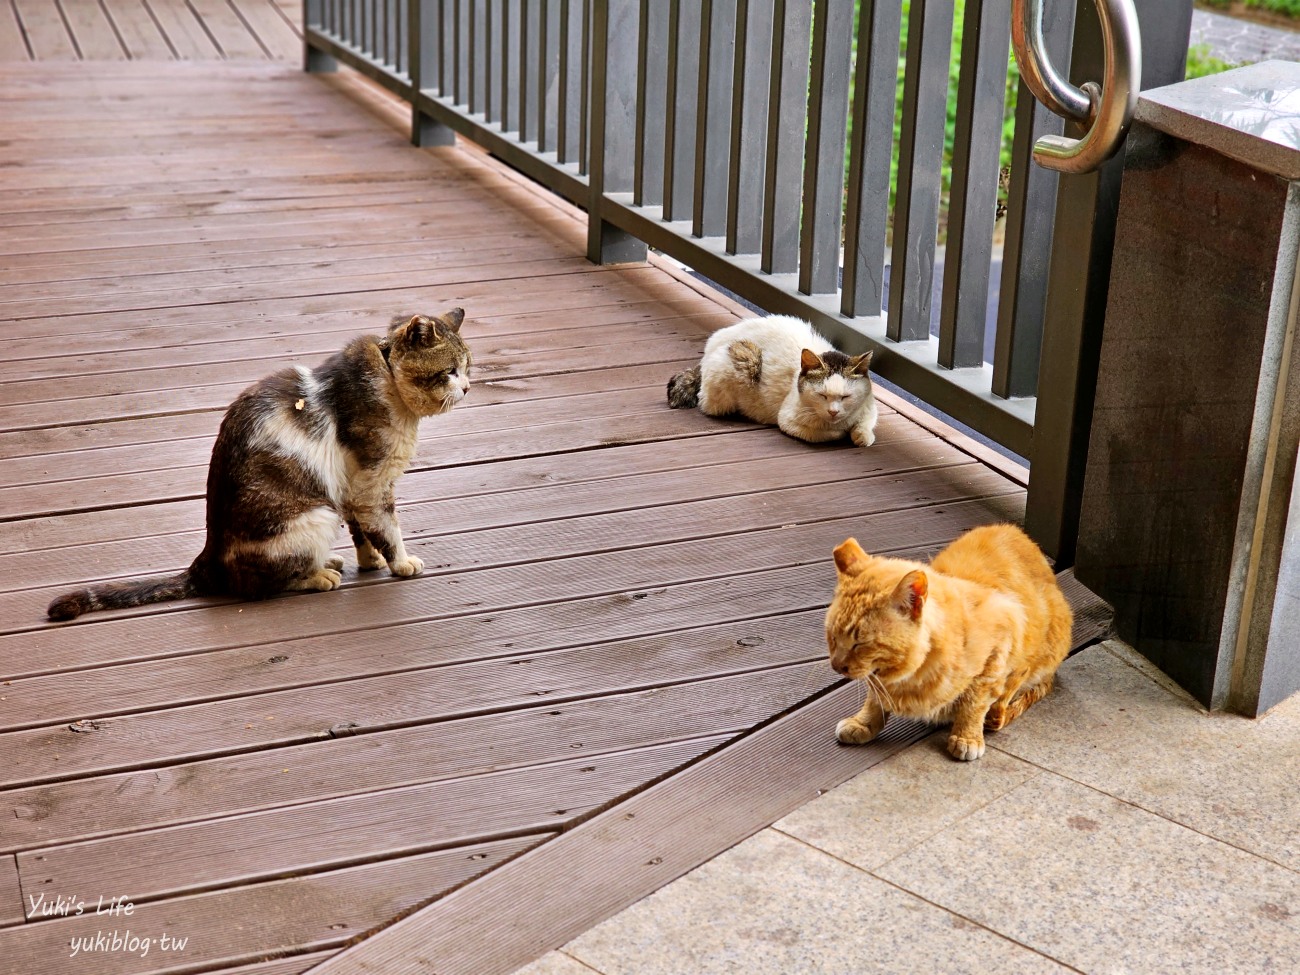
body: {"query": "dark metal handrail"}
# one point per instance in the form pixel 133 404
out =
pixel 717 132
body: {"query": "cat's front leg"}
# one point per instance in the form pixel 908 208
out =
pixel 966 740
pixel 863 726
pixel 378 526
pixel 368 557
pixel 863 433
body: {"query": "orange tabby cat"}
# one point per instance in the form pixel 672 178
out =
pixel 973 638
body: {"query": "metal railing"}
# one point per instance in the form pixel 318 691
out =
pixel 745 139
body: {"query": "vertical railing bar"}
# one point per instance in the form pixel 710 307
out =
pixel 562 121
pixel 753 47
pixel 525 79
pixel 507 33
pixel 543 63
pixel 490 53
pixel 685 106
pixel 713 123
pixel 1027 236
pixel 642 57
pixel 823 178
pixel 652 105
pixel 977 143
pixel 787 98
pixel 866 219
pixel 920 158
pixel 380 41
pixel 584 113
pixel 475 57
pixel 459 88
pixel 512 45
pixel 670 109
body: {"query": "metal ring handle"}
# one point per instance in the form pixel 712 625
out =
pixel 1108 108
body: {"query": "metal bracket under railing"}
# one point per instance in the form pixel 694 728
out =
pixel 1106 109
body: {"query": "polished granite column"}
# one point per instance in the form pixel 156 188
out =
pixel 1190 525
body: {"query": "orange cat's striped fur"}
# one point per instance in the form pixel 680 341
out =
pixel 973 638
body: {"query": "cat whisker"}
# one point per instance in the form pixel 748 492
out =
pixel 882 695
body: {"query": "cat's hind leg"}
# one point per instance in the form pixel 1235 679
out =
pixel 295 558
pixel 1002 713
pixel 863 726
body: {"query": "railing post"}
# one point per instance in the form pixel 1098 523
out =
pixel 425 23
pixel 1078 282
pixel 315 60
pixel 615 29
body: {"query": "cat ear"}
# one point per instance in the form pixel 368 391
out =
pixel 809 360
pixel 849 557
pixel 417 331
pixel 910 594
pixel 453 318
pixel 860 364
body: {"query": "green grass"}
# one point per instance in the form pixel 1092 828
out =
pixel 1287 8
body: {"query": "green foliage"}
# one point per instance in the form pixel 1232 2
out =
pixel 1287 8
pixel 1201 62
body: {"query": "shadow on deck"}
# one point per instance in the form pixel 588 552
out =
pixel 613 667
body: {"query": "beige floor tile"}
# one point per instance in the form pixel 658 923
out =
pixel 774 905
pixel 903 801
pixel 556 963
pixel 1114 727
pixel 1106 887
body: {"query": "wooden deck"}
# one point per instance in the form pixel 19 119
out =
pixel 613 667
pixel 150 30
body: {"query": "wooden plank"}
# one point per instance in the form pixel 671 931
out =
pixel 333 767
pixel 630 850
pixel 271 28
pixel 41 534
pixel 332 331
pixel 228 29
pixel 12 906
pixel 338 832
pixel 13 45
pixel 45 31
pixel 116 432
pixel 185 35
pixel 508 553
pixel 470 685
pixel 92 31
pixel 428 511
pixel 317 915
pixel 52 753
pixel 495 357
pixel 138 30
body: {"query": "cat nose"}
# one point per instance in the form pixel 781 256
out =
pixel 841 668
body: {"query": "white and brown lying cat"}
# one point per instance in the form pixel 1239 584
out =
pixel 779 370
pixel 298 452
pixel 973 638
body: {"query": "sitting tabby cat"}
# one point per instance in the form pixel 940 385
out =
pixel 301 450
pixel 779 370
pixel 974 637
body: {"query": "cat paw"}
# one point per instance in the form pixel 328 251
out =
pixel 370 559
pixel 862 438
pixel 323 580
pixel 851 731
pixel 965 749
pixel 413 566
pixel 334 562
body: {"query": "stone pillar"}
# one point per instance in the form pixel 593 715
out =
pixel 1190 525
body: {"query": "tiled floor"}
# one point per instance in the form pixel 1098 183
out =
pixel 1117 828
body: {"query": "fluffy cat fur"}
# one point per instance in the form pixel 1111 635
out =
pixel 779 370
pixel 974 638
pixel 301 450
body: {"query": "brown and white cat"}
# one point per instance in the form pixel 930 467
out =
pixel 779 370
pixel 974 638
pixel 301 450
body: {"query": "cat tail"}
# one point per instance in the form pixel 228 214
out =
pixel 121 595
pixel 684 389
